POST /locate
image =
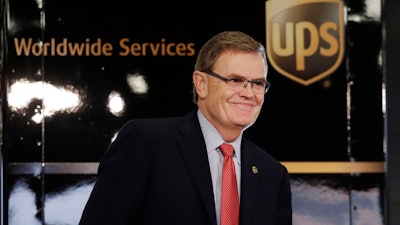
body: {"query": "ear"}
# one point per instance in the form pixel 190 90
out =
pixel 200 82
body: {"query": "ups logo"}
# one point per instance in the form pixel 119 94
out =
pixel 305 38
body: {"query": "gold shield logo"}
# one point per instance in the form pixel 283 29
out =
pixel 305 38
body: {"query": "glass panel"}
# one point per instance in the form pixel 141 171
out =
pixel 64 199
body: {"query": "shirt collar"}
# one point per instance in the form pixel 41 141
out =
pixel 213 139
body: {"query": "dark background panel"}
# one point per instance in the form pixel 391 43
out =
pixel 365 69
pixel 297 123
pixel 392 122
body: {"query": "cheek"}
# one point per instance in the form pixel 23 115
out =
pixel 216 97
pixel 219 94
pixel 260 99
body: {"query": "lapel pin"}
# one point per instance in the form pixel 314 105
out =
pixel 254 169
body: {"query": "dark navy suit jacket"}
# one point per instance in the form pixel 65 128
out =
pixel 156 172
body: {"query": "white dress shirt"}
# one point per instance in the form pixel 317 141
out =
pixel 215 158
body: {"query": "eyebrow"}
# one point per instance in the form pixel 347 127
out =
pixel 237 75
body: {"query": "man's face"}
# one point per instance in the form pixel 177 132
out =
pixel 235 108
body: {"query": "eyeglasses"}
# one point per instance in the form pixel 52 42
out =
pixel 258 86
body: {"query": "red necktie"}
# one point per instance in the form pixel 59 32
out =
pixel 229 194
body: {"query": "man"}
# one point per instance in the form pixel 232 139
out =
pixel 169 171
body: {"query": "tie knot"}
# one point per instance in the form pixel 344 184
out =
pixel 226 149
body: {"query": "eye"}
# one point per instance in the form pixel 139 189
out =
pixel 237 80
pixel 260 83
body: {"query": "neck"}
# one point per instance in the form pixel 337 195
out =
pixel 228 133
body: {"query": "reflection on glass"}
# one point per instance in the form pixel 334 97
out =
pixel 367 10
pixel 116 104
pixel 322 201
pixel 366 206
pixel 63 207
pixel 22 208
pixel 37 117
pixel 66 207
pixel 137 83
pixel 40 4
pixel 56 99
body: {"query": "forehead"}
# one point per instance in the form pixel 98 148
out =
pixel 251 65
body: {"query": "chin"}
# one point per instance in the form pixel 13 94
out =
pixel 243 124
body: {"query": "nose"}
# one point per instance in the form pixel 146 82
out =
pixel 246 84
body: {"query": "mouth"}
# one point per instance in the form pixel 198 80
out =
pixel 244 106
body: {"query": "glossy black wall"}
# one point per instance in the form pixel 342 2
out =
pixel 392 80
pixel 58 156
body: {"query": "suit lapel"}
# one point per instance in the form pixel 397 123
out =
pixel 194 153
pixel 249 181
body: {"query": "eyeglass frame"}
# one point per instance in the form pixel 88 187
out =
pixel 216 75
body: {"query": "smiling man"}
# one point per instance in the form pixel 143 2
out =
pixel 198 169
